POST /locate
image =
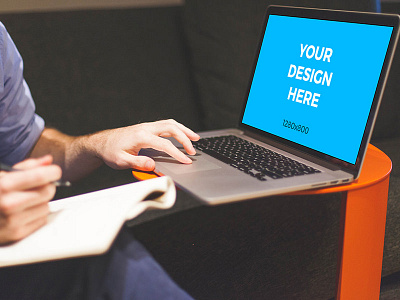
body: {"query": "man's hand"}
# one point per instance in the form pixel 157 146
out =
pixel 119 148
pixel 24 197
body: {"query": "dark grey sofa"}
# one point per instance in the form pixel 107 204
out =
pixel 91 70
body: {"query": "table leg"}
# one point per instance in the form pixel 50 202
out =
pixel 363 220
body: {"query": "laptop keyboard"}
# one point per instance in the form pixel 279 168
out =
pixel 252 159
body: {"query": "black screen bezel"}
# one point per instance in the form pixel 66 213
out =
pixel 341 16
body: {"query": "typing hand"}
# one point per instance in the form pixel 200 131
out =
pixel 119 148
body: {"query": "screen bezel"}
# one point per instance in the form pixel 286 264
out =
pixel 341 16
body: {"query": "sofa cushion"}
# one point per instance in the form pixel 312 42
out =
pixel 388 122
pixel 92 70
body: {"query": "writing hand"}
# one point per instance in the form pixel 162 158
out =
pixel 24 197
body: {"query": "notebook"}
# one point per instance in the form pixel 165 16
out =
pixel 312 100
pixel 87 224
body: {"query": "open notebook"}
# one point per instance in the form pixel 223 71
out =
pixel 87 224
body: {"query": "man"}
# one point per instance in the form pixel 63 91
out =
pixel 127 271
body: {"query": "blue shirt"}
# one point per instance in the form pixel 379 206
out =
pixel 20 126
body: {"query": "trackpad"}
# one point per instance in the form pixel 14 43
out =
pixel 194 167
pixel 163 160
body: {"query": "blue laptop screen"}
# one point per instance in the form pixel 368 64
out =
pixel 315 81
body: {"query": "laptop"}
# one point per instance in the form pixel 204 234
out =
pixel 312 100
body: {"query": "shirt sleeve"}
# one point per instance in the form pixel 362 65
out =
pixel 20 126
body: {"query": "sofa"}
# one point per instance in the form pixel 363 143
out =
pixel 96 69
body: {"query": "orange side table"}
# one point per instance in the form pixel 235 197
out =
pixel 362 221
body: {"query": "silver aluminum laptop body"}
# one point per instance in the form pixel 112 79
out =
pixel 276 118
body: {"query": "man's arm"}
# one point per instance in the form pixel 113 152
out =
pixel 118 148
pixel 74 162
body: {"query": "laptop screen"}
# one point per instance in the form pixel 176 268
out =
pixel 315 81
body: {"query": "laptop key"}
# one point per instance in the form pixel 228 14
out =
pixel 271 174
pixel 218 156
pixel 261 177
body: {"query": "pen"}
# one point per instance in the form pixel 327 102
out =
pixel 7 168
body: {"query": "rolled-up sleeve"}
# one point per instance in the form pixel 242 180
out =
pixel 20 126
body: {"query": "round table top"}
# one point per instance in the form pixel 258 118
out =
pixel 376 167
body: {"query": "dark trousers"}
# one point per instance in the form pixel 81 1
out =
pixel 127 271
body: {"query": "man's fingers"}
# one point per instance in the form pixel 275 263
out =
pixel 180 136
pixel 33 226
pixel 166 146
pixel 26 216
pixel 18 201
pixel 34 213
pixel 122 145
pixel 188 132
pixel 30 178
pixel 34 162
pixel 142 163
pixel 11 232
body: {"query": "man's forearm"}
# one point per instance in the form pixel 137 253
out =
pixel 72 154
